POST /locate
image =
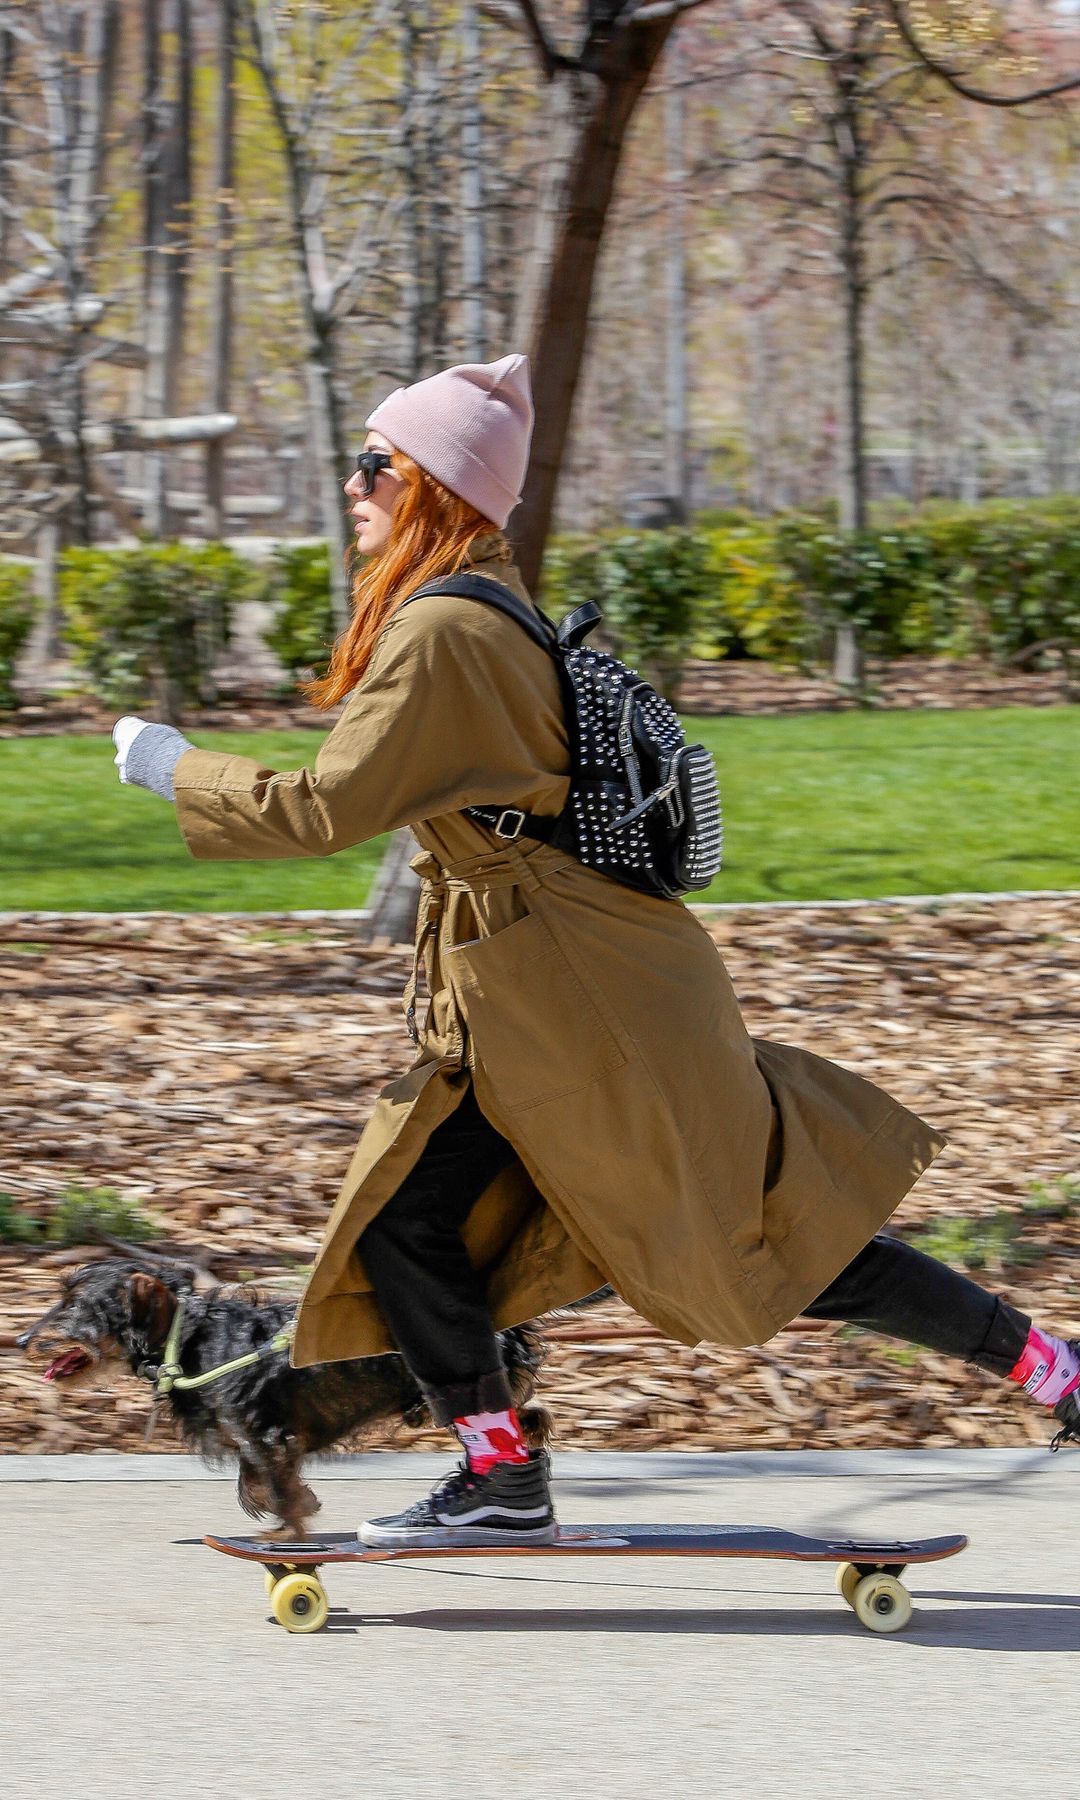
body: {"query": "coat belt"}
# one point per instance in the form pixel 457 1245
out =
pixel 432 904
pixel 508 867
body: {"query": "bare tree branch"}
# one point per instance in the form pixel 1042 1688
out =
pixel 550 59
pixel 663 9
pixel 958 83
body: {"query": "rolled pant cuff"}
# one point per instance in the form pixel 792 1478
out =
pixel 1004 1342
pixel 484 1393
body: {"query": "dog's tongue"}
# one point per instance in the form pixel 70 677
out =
pixel 68 1364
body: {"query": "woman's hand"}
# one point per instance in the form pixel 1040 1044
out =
pixel 146 754
pixel 124 733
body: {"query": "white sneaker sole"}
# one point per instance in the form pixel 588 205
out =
pixel 451 1537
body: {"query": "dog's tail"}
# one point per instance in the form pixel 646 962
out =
pixel 523 1351
pixel 524 1348
pixel 537 1425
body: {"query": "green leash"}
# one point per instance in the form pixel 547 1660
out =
pixel 171 1375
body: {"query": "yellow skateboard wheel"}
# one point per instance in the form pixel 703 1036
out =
pixel 299 1602
pixel 882 1603
pixel 271 1576
pixel 847 1580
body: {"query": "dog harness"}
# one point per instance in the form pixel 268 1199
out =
pixel 171 1375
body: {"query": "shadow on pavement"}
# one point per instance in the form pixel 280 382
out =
pixel 1009 1628
pixel 1000 1599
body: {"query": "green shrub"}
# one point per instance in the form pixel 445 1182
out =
pixel 303 630
pixel 1056 1198
pixel 752 606
pixel 999 1242
pixel 18 609
pixel 560 586
pixel 966 1242
pixel 871 579
pixel 1010 576
pixel 990 580
pixel 148 624
pixel 81 1214
pixel 650 586
pixel 17 1226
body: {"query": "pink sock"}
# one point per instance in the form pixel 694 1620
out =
pixel 489 1438
pixel 1047 1369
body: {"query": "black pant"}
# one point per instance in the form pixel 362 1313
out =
pixel 894 1288
pixel 431 1296
pixel 434 1300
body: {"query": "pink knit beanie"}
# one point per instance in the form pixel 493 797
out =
pixel 469 427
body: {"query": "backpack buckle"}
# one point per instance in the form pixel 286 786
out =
pixel 500 829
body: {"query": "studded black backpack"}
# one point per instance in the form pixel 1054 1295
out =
pixel 643 805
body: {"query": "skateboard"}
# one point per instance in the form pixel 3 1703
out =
pixel 867 1576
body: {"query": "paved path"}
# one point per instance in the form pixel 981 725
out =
pixel 136 1664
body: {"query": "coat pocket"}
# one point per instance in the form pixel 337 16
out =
pixel 537 1030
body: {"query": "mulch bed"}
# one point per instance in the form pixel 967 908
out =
pixel 902 685
pixel 218 1071
pixel 716 688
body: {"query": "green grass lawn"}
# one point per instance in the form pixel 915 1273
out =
pixel 818 806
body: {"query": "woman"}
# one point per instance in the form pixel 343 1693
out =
pixel 585 1103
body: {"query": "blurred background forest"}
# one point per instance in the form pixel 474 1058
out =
pixel 791 272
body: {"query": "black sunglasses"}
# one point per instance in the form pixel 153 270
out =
pixel 370 464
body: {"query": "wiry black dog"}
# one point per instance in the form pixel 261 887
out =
pixel 269 1415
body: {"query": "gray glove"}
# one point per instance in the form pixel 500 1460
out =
pixel 148 754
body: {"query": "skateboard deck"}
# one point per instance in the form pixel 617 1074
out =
pixel 868 1571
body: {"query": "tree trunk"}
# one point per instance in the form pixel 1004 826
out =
pixel 412 237
pixel 222 304
pixel 436 198
pixel 847 655
pixel 51 539
pixel 331 459
pixel 154 300
pixel 677 435
pixel 8 57
pixel 94 43
pixel 167 154
pixel 852 492
pixel 70 151
pixel 177 221
pixel 394 894
pixel 472 187
pixel 587 125
pixel 586 129
pixel 316 297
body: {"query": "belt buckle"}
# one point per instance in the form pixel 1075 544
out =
pixel 509 812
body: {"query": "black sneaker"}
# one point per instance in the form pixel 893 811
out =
pixel 511 1504
pixel 1068 1410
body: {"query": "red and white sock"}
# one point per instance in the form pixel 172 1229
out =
pixel 489 1438
pixel 1047 1368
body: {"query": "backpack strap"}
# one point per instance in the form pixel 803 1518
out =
pixel 512 822
pixel 507 822
pixel 578 624
pixel 482 587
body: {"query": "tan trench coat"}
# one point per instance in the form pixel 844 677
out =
pixel 718 1181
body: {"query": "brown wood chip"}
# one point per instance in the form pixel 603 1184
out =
pixel 218 1079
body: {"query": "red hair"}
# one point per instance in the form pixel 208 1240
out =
pixel 434 531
